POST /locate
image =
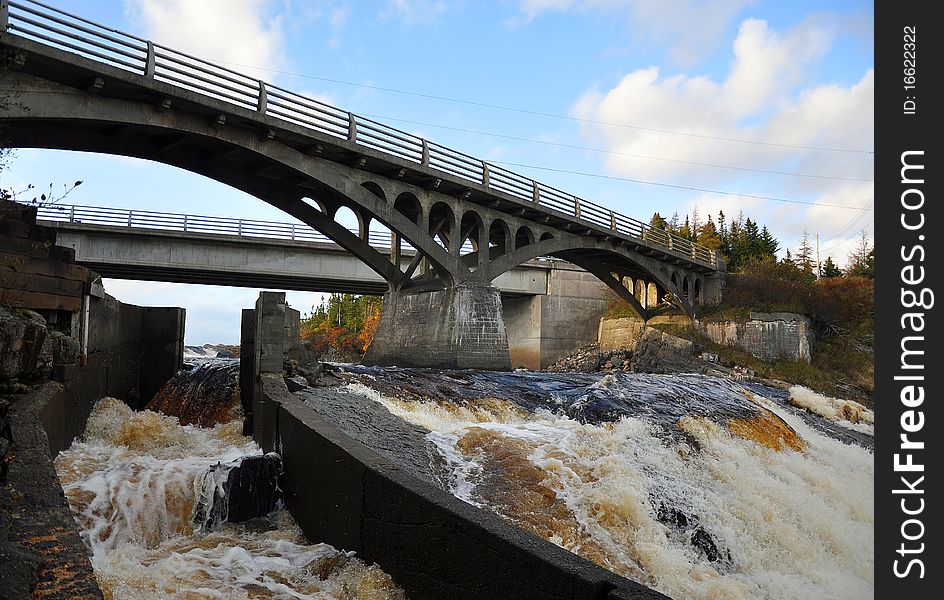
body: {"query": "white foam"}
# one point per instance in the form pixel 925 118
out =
pixel 133 485
pixel 847 413
pixel 797 524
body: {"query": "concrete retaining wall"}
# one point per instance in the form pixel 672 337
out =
pixel 769 336
pixel 345 494
pixel 433 544
pixel 132 352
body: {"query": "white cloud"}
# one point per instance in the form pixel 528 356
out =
pixel 247 33
pixel 765 96
pixel 690 29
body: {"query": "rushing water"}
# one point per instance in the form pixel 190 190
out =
pixel 134 484
pixel 697 486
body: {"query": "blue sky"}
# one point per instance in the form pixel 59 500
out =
pixel 785 77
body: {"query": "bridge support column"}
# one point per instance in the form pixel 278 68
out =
pixel 455 328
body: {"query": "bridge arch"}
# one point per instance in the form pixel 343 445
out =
pixel 283 175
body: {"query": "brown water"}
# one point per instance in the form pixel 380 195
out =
pixel 693 485
pixel 133 484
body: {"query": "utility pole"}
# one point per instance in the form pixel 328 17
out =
pixel 818 268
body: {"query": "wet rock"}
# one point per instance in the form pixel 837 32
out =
pixel 25 349
pixel 206 395
pixel 699 536
pixel 304 358
pixel 251 490
pixel 659 352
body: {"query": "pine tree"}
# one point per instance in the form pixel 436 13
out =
pixel 674 222
pixel 804 255
pixel 708 235
pixel 686 230
pixel 830 269
pixel 862 259
pixel 769 243
pixel 658 222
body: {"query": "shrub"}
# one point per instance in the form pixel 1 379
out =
pixel 848 302
pixel 771 286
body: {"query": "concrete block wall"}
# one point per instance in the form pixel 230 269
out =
pixel 434 545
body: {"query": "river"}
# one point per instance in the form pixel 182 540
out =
pixel 700 487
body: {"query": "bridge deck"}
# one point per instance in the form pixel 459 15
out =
pixel 183 248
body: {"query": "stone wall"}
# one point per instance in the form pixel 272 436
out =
pixel 769 336
pixel 456 328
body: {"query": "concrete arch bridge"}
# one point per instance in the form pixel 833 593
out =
pixel 69 83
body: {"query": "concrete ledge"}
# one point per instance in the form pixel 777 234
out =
pixel 41 552
pixel 433 544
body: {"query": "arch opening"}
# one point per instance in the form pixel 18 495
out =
pixel 409 206
pixel 498 238
pixel 442 222
pixel 523 237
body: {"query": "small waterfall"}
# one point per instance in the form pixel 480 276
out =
pixel 153 500
pixel 696 486
pixel 204 395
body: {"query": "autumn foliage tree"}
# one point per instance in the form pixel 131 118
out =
pixel 343 323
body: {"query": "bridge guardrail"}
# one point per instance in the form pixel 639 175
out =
pixel 187 223
pixel 49 25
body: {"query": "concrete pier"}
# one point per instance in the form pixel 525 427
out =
pixel 456 328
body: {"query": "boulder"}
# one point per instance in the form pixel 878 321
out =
pixel 251 490
pixel 660 352
pixel 25 349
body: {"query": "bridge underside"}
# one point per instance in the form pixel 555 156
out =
pixel 465 236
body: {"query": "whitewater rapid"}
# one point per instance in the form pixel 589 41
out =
pixel 694 486
pixel 134 482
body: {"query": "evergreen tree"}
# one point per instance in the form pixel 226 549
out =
pixel 830 269
pixel 674 222
pixel 685 230
pixel 658 222
pixel 862 259
pixel 804 255
pixel 769 244
pixel 722 229
pixel 708 235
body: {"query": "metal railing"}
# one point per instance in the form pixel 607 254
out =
pixel 48 25
pixel 245 228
